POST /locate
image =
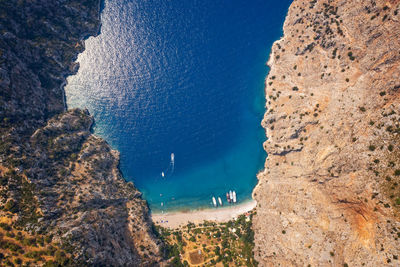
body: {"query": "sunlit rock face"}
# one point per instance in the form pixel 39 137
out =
pixel 329 193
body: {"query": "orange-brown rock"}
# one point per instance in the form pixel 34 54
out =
pixel 329 194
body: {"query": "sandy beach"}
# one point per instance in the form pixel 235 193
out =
pixel 223 214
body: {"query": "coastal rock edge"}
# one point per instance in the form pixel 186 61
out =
pixel 61 192
pixel 329 194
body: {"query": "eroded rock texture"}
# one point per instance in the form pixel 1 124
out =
pixel 83 197
pixel 56 178
pixel 329 194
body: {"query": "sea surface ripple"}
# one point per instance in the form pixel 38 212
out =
pixel 182 77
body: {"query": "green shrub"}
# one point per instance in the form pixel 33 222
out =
pixel 3 181
pixel 19 236
pixel 50 264
pixel 29 241
pixel 10 234
pixel 5 226
pixel 350 54
pixel 11 246
pixel 34 254
pixel 11 206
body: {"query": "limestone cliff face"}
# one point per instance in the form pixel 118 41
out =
pixel 329 194
pixel 84 201
pixel 56 178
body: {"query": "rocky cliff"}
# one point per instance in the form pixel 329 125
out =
pixel 58 182
pixel 330 193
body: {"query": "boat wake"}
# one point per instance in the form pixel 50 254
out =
pixel 170 169
pixel 172 164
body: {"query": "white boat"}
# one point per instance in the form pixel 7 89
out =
pixel 172 164
pixel 220 201
pixel 162 174
pixel 230 195
pixel 214 201
pixel 234 196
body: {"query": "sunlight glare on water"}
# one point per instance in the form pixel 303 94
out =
pixel 182 77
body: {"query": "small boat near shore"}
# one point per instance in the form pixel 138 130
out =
pixel 214 201
pixel 234 196
pixel 220 201
pixel 228 198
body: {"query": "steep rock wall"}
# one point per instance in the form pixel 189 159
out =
pixel 56 178
pixel 329 193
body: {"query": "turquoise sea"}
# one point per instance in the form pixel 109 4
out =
pixel 181 77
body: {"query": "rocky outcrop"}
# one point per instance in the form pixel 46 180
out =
pixel 85 202
pixel 56 178
pixel 329 194
pixel 39 43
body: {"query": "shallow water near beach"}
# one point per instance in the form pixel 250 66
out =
pixel 182 77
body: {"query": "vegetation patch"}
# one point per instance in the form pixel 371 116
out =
pixel 21 248
pixel 211 244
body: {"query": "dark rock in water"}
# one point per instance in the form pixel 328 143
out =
pixel 62 180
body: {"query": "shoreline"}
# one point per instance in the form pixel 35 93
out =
pixel 177 219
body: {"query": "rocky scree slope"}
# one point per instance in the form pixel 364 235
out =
pixel 330 193
pixel 56 177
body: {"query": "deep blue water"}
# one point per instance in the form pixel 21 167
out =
pixel 182 77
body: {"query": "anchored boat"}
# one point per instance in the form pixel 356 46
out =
pixel 220 201
pixel 214 201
